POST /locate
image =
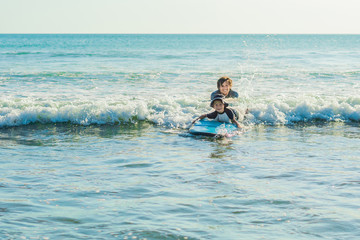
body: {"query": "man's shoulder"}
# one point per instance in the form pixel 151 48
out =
pixel 214 93
pixel 233 94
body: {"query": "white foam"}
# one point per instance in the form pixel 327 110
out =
pixel 290 111
pixel 175 112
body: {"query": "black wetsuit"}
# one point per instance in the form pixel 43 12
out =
pixel 226 116
pixel 231 94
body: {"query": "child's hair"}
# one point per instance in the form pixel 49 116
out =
pixel 222 80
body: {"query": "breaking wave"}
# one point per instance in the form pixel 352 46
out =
pixel 174 112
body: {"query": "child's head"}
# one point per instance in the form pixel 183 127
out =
pixel 224 85
pixel 218 103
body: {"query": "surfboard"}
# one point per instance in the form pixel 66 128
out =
pixel 212 128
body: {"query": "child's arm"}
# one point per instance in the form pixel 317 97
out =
pixel 236 122
pixel 199 118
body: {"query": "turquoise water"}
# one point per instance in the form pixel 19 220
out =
pixel 94 142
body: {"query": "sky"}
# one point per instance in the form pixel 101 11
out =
pixel 181 16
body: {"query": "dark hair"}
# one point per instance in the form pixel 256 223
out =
pixel 222 80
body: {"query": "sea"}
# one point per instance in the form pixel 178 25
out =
pixel 94 140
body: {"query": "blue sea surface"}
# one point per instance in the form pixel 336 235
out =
pixel 94 141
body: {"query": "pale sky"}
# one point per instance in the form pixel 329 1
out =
pixel 180 16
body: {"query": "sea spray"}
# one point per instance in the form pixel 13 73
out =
pixel 174 112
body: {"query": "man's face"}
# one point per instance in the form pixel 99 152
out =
pixel 225 88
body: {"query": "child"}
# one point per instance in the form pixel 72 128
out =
pixel 221 113
pixel 224 85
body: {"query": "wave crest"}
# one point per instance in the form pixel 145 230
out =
pixel 312 109
pixel 173 112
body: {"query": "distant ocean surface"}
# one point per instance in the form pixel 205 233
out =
pixel 94 141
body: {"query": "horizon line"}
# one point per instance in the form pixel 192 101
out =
pixel 95 33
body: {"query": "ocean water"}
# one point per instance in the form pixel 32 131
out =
pixel 94 141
